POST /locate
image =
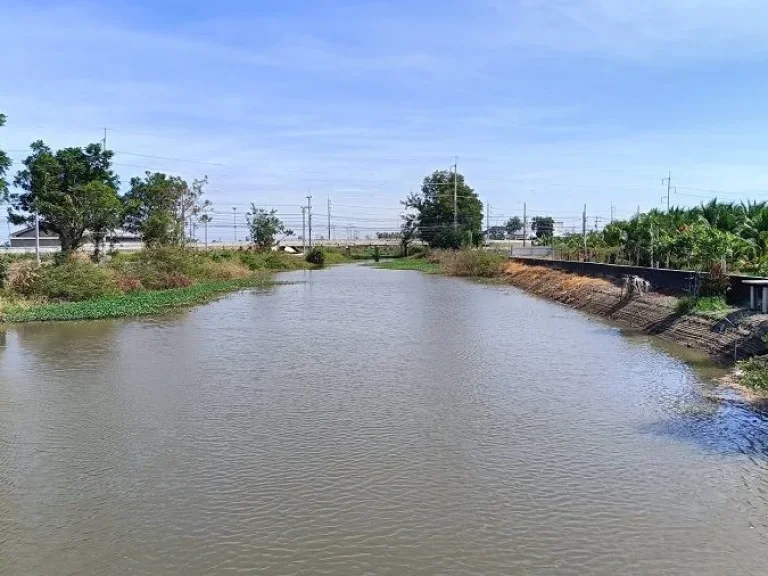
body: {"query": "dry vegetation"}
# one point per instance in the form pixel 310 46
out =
pixel 554 284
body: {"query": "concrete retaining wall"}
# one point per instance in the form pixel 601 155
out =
pixel 532 251
pixel 674 282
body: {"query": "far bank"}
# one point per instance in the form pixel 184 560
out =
pixel 152 281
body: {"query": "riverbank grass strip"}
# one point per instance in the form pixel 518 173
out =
pixel 418 264
pixel 713 306
pixel 754 374
pixel 132 304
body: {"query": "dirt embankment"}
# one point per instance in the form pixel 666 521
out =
pixel 739 334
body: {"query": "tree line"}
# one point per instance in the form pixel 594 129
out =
pixel 713 234
pixel 75 194
pixel 429 216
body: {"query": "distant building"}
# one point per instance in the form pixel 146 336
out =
pixel 500 233
pixel 25 238
pixel 495 233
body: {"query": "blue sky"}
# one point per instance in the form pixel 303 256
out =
pixel 550 102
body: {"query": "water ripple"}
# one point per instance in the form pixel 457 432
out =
pixel 358 421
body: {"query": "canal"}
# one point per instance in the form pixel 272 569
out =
pixel 362 421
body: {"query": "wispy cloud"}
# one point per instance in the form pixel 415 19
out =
pixel 651 31
pixel 576 99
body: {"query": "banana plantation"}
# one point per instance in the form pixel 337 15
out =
pixel 700 238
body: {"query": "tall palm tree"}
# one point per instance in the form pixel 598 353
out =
pixel 724 216
pixel 754 230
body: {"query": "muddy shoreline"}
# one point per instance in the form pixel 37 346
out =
pixel 724 339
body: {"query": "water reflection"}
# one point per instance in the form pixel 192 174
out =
pixel 721 427
pixel 365 421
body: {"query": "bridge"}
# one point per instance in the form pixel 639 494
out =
pixel 292 243
pixel 366 243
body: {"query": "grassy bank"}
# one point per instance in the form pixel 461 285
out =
pixel 464 263
pixel 137 284
pixel 753 375
pixel 713 306
pixel 139 303
pixel 417 264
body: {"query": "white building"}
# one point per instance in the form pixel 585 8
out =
pixel 25 238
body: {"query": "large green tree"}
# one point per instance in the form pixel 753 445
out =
pixel 408 231
pixel 513 225
pixel 544 226
pixel 434 209
pixel 74 190
pixel 103 212
pixel 264 226
pixel 157 207
pixel 5 164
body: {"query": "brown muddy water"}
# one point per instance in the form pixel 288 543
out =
pixel 365 421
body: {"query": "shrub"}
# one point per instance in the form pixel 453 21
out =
pixel 274 261
pixel 223 270
pixel 175 280
pixel 60 258
pixel 170 259
pixel 5 269
pixel 418 251
pixel 24 278
pixel 160 266
pixel 755 373
pixel 472 263
pixel 129 284
pixel 270 260
pixel 685 304
pixel 434 256
pixel 316 257
pixel 331 257
pixel 76 280
pixel 708 305
pixel 717 283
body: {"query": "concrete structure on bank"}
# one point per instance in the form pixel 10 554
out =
pixel 25 239
pixel 674 282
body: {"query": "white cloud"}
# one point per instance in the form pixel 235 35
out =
pixel 651 31
pixel 386 97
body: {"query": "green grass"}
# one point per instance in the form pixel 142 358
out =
pixel 755 373
pixel 140 303
pixel 418 264
pixel 137 284
pixel 705 305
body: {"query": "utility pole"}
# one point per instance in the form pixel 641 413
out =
pixel 329 218
pixel 104 141
pixel 487 220
pixel 37 220
pixel 456 194
pixel 668 181
pixel 525 224
pixel 304 229
pixel 309 218
pixel 37 234
pixel 584 230
pixel 234 222
pixel 611 213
